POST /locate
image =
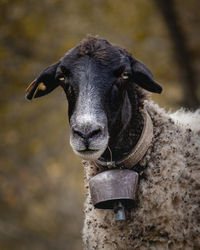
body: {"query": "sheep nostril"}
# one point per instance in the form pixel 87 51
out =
pixel 95 133
pixel 87 134
pixel 77 132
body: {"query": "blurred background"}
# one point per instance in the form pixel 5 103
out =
pixel 41 181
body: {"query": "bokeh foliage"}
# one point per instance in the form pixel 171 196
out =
pixel 41 181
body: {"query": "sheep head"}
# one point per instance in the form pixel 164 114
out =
pixel 97 78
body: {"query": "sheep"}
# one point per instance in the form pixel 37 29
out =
pixel 108 92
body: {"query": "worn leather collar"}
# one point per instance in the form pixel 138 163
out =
pixel 138 151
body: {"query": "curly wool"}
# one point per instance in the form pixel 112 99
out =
pixel 167 214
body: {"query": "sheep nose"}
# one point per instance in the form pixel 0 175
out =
pixel 87 132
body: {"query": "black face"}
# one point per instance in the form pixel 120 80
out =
pixel 95 77
pixel 95 92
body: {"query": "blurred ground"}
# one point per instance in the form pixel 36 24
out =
pixel 41 181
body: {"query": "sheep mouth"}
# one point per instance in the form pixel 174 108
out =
pixel 87 151
pixel 89 154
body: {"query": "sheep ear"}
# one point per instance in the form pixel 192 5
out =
pixel 44 84
pixel 144 78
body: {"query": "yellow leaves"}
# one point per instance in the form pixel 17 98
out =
pixel 141 36
pixel 54 171
pixel 10 197
pixel 11 137
pixel 35 145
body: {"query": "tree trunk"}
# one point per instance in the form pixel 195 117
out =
pixel 181 53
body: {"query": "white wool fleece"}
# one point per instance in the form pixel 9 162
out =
pixel 167 212
pixel 187 118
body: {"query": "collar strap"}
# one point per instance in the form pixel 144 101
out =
pixel 140 148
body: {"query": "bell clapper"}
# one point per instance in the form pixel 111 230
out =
pixel 119 211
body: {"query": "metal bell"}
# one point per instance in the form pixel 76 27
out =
pixel 114 189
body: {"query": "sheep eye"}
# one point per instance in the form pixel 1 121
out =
pixel 62 78
pixel 122 73
pixel 119 71
pixel 125 75
pixel 63 74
